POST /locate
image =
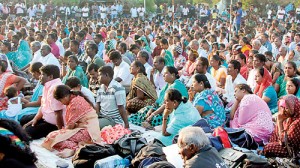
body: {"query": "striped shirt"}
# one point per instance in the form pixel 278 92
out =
pixel 110 98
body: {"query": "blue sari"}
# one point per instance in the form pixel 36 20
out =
pixel 22 56
pixel 79 73
pixel 210 100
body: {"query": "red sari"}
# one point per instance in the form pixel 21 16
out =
pixel 276 147
pixel 6 79
pixel 266 82
pixel 86 130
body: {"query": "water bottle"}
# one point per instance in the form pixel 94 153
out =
pixel 116 163
pixel 61 164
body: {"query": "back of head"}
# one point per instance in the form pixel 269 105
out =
pixel 107 70
pixel 73 82
pixel 193 135
pixel 202 78
pixel 51 70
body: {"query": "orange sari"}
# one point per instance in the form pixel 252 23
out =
pixel 6 79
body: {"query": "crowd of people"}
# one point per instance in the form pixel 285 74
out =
pixel 62 70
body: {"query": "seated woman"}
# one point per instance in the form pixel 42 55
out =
pixel 292 87
pixel 75 70
pixel 152 114
pixel 7 79
pixel 218 71
pixel 142 92
pixel 288 125
pixel 14 148
pixel 290 71
pixel 265 90
pixel 22 56
pixel 33 106
pixel 82 125
pixel 207 101
pixel 180 112
pixel 276 72
pixel 251 113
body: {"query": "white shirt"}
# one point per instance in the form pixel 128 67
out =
pixel 280 14
pixel 20 8
pixel 60 47
pixel 36 56
pixel 89 94
pixel 123 71
pixel 159 81
pixel 148 68
pixel 230 85
pixel 251 79
pixel 133 12
pixel 49 59
pixel 262 49
pixel 185 11
pixel 202 53
pixel 85 11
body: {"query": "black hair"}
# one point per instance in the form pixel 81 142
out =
pixel 75 42
pixel 202 78
pixel 10 149
pixel 3 66
pixel 243 57
pixel 204 61
pixel 94 47
pixel 261 57
pixel 245 87
pixel 236 65
pixel 92 66
pixel 245 40
pixel 217 58
pixel 175 95
pixel 73 82
pixel 173 70
pixel 35 67
pixel 261 71
pixel 115 55
pixel 123 46
pixel 62 91
pixel 74 58
pixel 68 53
pixel 144 54
pixel 51 70
pixel 108 70
pixel 141 66
pixel 296 82
pixel 51 35
pixel 164 41
pixel 11 92
pixel 99 36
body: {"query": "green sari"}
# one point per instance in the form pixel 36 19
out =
pixel 22 56
pixel 169 58
pixel 79 73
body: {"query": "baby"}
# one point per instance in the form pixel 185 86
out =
pixel 14 102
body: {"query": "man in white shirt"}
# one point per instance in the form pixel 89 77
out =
pixel 201 68
pixel 47 57
pixel 114 12
pixel 143 57
pixel 19 7
pixel 256 45
pixel 133 12
pixel 156 76
pixel 205 49
pixel 103 11
pixel 277 43
pixel 233 78
pixel 185 11
pixel 36 49
pixel 281 13
pixel 121 69
pixel 258 62
pixel 295 42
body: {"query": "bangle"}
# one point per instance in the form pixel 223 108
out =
pixel 165 118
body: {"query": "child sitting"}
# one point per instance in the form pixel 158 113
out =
pixel 14 103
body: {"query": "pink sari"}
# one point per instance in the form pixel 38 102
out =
pixel 254 115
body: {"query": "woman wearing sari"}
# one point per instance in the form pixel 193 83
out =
pixel 153 114
pixel 218 71
pixel 22 56
pixel 287 129
pixel 7 79
pixel 145 44
pixel 142 92
pixel 292 87
pixel 251 113
pixel 265 90
pixel 81 123
pixel 246 46
pixel 74 69
pixel 207 101
pixel 169 61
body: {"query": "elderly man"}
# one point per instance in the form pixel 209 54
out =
pixel 282 53
pixel 277 43
pixel 256 45
pixel 47 57
pixel 196 151
pixel 36 49
pixel 264 38
pixel 143 57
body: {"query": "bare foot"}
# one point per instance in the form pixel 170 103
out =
pixel 66 153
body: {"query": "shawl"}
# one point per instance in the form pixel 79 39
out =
pixel 79 73
pixel 142 83
pixel 254 115
pixel 266 82
pixel 293 103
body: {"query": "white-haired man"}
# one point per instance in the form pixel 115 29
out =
pixel 195 149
